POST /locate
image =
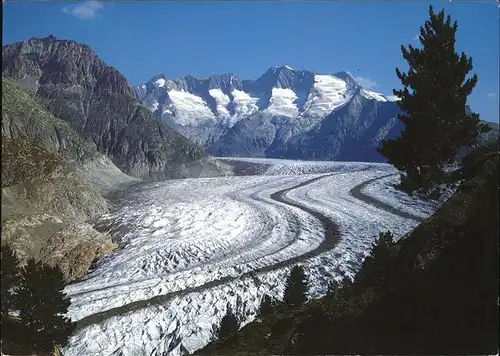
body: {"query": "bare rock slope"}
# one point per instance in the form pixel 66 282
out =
pixel 47 198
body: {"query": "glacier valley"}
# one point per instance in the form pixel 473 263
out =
pixel 191 247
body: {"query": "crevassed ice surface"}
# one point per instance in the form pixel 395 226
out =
pixel 189 247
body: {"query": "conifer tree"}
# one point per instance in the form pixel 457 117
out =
pixel 433 105
pixel 9 279
pixel 228 325
pixel 42 304
pixel 381 249
pixel 377 266
pixel 296 287
pixel 266 306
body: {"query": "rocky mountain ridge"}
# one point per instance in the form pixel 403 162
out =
pixel 74 84
pixel 284 113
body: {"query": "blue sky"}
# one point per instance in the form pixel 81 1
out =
pixel 142 39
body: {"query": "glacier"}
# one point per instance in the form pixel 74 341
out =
pixel 191 247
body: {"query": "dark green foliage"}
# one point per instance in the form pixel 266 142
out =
pixel 228 325
pixel 296 287
pixel 433 102
pixel 473 162
pixel 267 306
pixel 42 302
pixel 379 265
pixel 9 279
pixel 435 291
pixel 336 289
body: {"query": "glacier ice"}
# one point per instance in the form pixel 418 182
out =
pixel 189 247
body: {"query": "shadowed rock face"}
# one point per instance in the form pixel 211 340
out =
pixel 284 113
pixel 65 128
pixel 351 133
pixel 23 118
pixel 75 85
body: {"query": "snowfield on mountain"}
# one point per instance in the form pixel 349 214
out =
pixel 285 113
pixel 189 247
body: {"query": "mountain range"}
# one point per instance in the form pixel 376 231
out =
pixel 72 83
pixel 284 113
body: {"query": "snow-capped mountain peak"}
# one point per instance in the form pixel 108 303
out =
pixel 283 77
pixel 226 82
pixel 160 82
pixel 196 106
pixel 348 78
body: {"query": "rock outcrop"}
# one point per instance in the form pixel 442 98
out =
pixel 45 205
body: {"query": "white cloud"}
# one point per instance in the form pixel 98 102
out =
pixel 492 95
pixel 366 82
pixel 416 37
pixel 84 11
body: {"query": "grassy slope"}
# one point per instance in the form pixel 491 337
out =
pixel 439 295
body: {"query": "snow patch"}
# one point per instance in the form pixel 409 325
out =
pixel 222 101
pixel 373 95
pixel 151 103
pixel 160 82
pixel 189 109
pixel 282 103
pixel 328 93
pixel 244 104
pixel 166 110
pixel 392 98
